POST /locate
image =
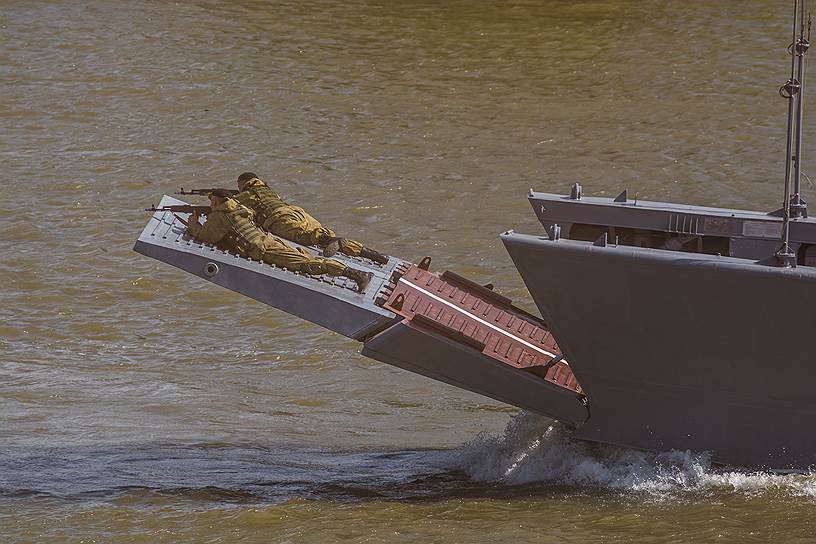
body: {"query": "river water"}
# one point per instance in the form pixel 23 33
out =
pixel 140 404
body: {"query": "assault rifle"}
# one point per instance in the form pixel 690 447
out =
pixel 181 208
pixel 204 192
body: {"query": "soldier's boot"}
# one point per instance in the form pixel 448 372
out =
pixel 331 249
pixel 375 256
pixel 362 279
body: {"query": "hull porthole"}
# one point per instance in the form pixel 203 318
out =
pixel 210 269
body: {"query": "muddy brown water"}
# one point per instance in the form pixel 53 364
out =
pixel 140 404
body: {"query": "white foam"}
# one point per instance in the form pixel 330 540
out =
pixel 536 449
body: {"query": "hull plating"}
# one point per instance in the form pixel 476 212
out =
pixel 681 351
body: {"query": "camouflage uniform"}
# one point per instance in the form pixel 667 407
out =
pixel 290 222
pixel 230 226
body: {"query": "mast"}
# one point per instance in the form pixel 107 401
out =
pixel 794 207
pixel 798 206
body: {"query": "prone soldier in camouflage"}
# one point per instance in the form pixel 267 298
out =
pixel 231 227
pixel 293 222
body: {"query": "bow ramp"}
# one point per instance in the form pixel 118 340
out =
pixel 442 326
pixel 331 302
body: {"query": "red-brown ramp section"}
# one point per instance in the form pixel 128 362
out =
pixel 468 336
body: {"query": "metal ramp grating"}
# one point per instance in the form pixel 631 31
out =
pixel 478 317
pixel 332 302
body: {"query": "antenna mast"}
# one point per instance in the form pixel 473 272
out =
pixel 793 206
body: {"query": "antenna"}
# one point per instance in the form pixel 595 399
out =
pixel 799 206
pixel 793 206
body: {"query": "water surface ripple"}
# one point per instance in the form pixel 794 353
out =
pixel 138 404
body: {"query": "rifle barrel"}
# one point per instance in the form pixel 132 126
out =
pixel 203 192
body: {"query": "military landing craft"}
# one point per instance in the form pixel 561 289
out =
pixel 663 326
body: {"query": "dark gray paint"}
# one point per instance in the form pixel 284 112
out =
pixel 682 351
pixel 440 358
pixel 754 234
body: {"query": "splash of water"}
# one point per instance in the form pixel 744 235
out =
pixel 536 449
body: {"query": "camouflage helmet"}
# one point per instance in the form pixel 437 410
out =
pixel 246 176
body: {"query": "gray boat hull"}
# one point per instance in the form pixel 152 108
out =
pixel 682 351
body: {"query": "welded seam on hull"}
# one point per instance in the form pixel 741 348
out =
pixel 483 322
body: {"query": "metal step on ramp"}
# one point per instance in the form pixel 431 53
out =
pixel 439 325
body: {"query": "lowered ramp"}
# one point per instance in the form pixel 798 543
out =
pixel 331 302
pixel 442 326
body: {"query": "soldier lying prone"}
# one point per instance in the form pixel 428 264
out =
pixel 231 227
